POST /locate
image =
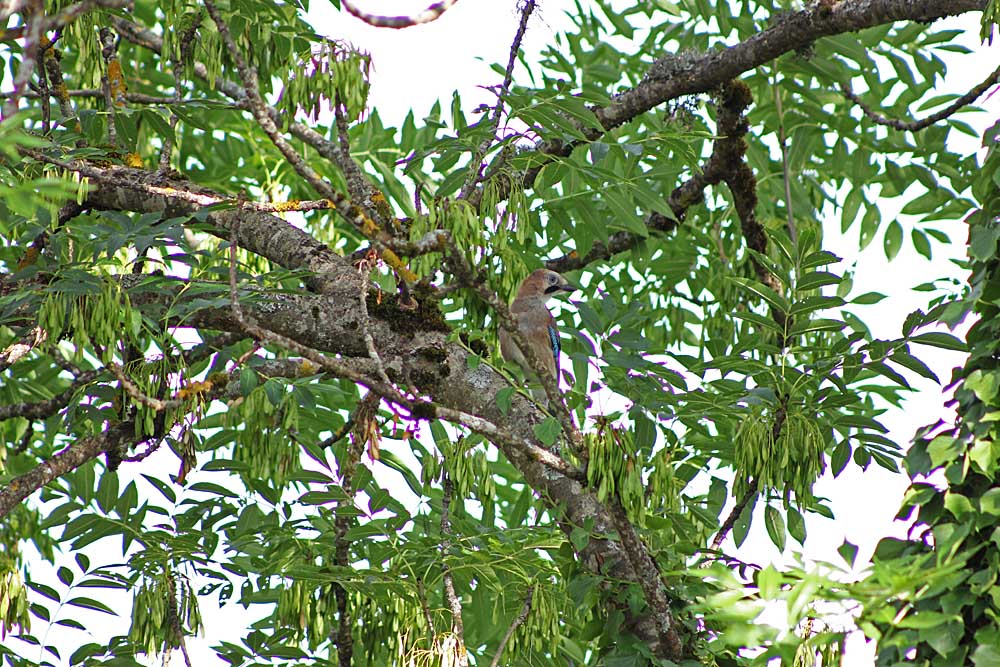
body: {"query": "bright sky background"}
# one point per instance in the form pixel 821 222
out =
pixel 416 66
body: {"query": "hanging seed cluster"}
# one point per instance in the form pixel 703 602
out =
pixel 262 443
pixel 662 484
pixel 790 463
pixel 613 470
pixel 396 627
pixel 164 609
pixel 467 467
pixel 541 630
pixel 306 609
pixel 13 603
pixel 472 236
pixel 335 71
pixel 102 318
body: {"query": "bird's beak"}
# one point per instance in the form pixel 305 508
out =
pixel 565 287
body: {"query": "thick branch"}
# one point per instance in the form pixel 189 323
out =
pixel 67 460
pixel 674 76
pixel 414 347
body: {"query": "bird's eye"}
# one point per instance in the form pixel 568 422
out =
pixel 552 279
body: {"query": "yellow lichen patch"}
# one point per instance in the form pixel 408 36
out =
pixel 381 205
pixel 308 367
pixel 393 260
pixel 290 205
pixel 366 224
pixel 133 160
pixel 193 389
pixel 116 83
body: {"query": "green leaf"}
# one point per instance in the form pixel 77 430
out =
pixel 868 298
pixel 984 385
pixel 819 258
pixel 94 605
pixel 986 655
pixel 817 279
pixel 758 289
pixel 248 380
pixel 548 431
pixel 848 552
pixel 504 397
pixel 893 240
pixel 775 526
pixel 742 526
pixel 940 339
pixel 796 525
pixel 989 502
pixel 840 456
pixel 908 361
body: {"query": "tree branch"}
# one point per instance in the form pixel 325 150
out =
pixel 475 164
pixel 342 523
pixel 674 76
pixel 917 125
pixel 69 459
pixel 17 351
pixel 432 13
pixel 521 617
pixel 461 657
pixel 414 346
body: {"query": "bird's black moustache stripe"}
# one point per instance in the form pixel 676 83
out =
pixel 552 288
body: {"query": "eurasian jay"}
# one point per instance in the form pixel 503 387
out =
pixel 536 325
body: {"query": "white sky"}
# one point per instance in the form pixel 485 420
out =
pixel 416 66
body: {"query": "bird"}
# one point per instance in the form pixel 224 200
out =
pixel 537 326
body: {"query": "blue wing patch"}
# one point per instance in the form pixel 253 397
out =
pixel 554 342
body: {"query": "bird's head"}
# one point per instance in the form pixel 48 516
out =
pixel 544 283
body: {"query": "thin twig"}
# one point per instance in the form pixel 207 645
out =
pixel 734 515
pixel 358 186
pixel 475 165
pixel 422 595
pixel 432 13
pixel 344 639
pixel 783 140
pixel 454 604
pixel 43 91
pixel 137 394
pixel 112 82
pixel 917 125
pixel 525 610
pixel 34 18
pixel 50 61
pixel 177 67
pixel 364 268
